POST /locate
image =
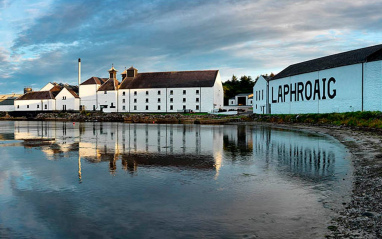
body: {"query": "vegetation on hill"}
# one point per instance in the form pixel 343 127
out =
pixel 235 86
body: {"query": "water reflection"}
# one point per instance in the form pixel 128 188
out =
pixel 136 145
pixel 306 155
pixel 183 146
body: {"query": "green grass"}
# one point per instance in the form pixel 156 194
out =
pixel 370 119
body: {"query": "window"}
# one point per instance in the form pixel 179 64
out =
pixel 184 92
pixel 105 92
pixel 123 107
pixel 197 107
pixel 262 94
pixel 197 92
pixel 135 93
pixel 171 100
pixel 123 93
pixel 147 107
pixel 171 92
pixel 158 92
pixel 197 99
pixel 147 100
pixel 184 99
pixel 112 105
pixel 123 100
pixel 147 92
pixel 38 106
pixel 158 100
pixel 184 107
pixel 64 97
pixel 18 106
pixel 158 107
pixel 256 106
pixel 135 100
pixel 27 106
pixel 46 106
pixel 171 107
pixel 135 107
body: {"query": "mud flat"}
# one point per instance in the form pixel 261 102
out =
pixel 362 217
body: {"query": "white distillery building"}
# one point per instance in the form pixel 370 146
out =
pixel 51 97
pixel 153 92
pixel 344 82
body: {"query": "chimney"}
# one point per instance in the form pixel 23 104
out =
pixel 79 71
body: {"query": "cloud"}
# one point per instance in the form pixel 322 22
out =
pixel 238 37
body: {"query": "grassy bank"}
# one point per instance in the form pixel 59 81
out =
pixel 368 119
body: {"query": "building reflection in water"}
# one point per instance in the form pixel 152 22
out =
pixel 306 155
pixel 135 145
pixel 198 147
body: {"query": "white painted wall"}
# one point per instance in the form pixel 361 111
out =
pixel 109 98
pixel 47 87
pixel 67 99
pixel 35 105
pixel 88 96
pixel 218 93
pixel 7 108
pixel 260 96
pixel 373 86
pixel 347 88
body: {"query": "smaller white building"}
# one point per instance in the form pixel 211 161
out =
pixel 243 99
pixel 7 102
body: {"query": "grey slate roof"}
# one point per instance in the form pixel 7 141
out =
pixel 177 79
pixel 111 84
pixel 94 80
pixel 367 54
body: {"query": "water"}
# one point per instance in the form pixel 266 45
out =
pixel 116 180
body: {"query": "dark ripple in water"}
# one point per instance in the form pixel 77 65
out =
pixel 117 180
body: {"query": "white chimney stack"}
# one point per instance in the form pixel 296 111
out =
pixel 79 71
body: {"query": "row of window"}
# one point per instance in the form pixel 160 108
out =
pixel 159 107
pixel 259 95
pixel 159 100
pixel 159 92
pixel 38 106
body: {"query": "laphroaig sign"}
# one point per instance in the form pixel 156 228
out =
pixel 300 91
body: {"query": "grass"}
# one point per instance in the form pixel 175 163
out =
pixel 370 119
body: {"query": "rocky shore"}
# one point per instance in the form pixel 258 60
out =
pixel 135 118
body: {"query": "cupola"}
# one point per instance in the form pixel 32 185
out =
pixel 113 72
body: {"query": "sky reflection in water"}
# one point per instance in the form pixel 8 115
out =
pixel 113 180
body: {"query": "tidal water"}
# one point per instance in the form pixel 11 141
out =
pixel 117 180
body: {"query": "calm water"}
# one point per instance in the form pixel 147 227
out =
pixel 115 180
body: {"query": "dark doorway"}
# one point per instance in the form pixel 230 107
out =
pixel 241 100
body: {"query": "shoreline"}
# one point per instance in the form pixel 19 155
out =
pixel 362 216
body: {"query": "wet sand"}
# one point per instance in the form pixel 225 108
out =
pixel 362 217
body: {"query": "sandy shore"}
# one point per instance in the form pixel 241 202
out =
pixel 362 217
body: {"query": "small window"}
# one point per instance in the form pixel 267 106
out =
pixel 135 93
pixel 64 97
pixel 135 100
pixel 197 92
pixel 123 93
pixel 184 99
pixel 46 106
pixel 184 107
pixel 184 92
pixel 147 92
pixel 123 100
pixel 197 107
pixel 123 107
pixel 197 99
pixel 171 100
pixel 27 106
pixel 105 92
pixel 18 106
pixel 158 100
pixel 256 106
pixel 158 107
pixel 147 100
pixel 147 107
pixel 38 106
pixel 171 107
pixel 158 92
pixel 135 107
pixel 262 94
pixel 171 92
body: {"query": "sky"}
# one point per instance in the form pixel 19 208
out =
pixel 41 40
